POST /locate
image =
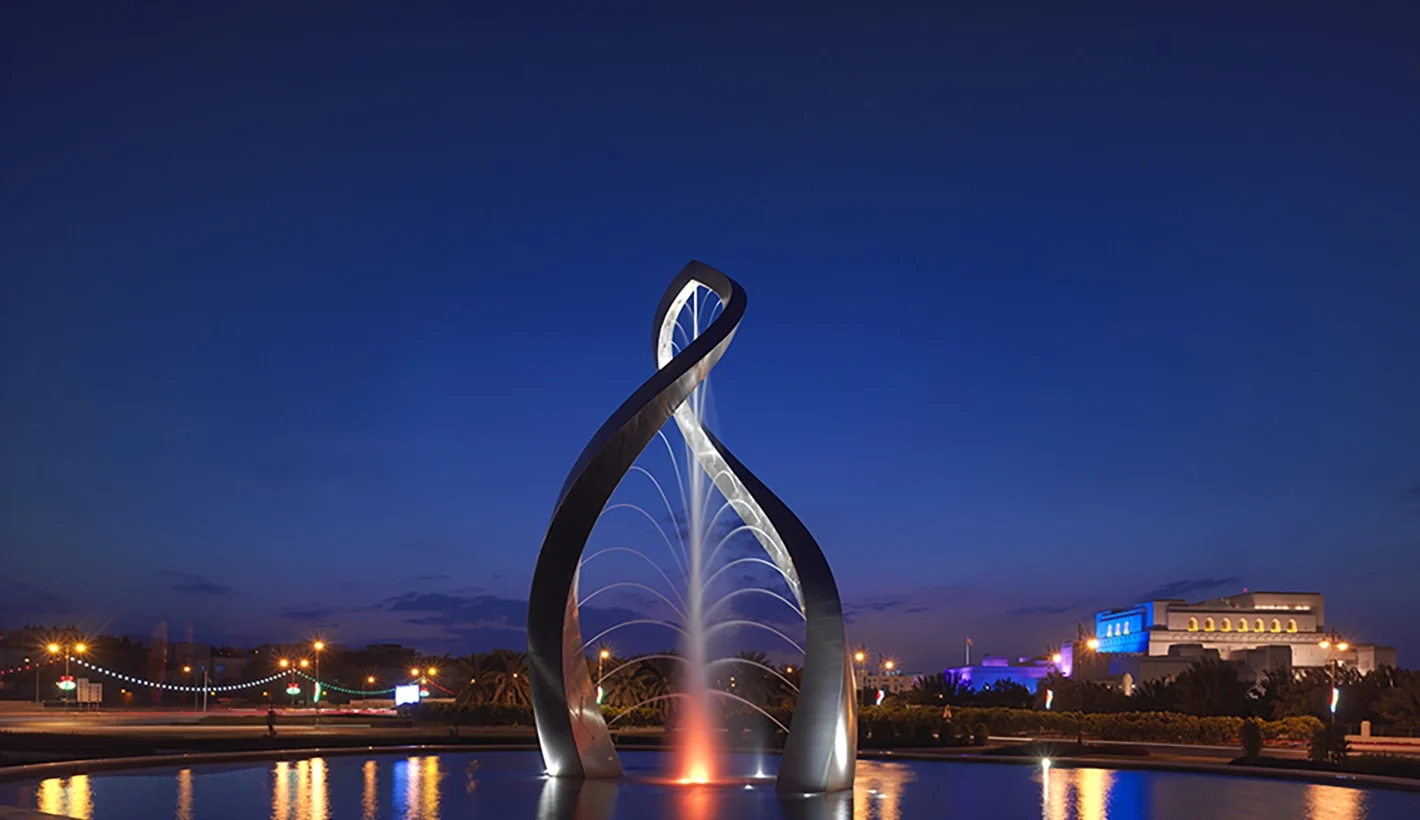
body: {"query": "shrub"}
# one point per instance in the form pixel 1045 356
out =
pixel 1328 745
pixel 1251 739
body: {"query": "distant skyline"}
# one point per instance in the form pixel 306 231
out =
pixel 307 316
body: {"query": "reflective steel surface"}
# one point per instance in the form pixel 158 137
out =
pixel 822 744
pixel 511 785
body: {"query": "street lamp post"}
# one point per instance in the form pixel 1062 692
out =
pixel 55 649
pixel 318 646
pixel 1333 643
pixel 860 660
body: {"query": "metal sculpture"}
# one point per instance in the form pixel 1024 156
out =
pixel 822 744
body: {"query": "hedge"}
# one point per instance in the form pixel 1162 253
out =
pixel 1141 727
pixel 886 727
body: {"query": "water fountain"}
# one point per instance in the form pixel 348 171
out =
pixel 575 741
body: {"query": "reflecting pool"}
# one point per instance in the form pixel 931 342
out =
pixel 511 785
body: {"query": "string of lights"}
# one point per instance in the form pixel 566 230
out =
pixel 27 667
pixel 332 687
pixel 174 687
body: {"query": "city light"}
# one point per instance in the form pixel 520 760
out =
pixel 433 671
pixel 1093 643
pixel 80 648
pixel 1325 644
pixel 305 664
pixel 605 653
pixel 414 672
pixel 858 656
pixel 53 649
pixel 370 679
pixel 1057 658
pixel 187 670
pixel 788 670
pixel 284 663
pixel 1343 646
pixel 319 645
pixel 888 665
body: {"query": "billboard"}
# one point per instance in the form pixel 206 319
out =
pixel 86 692
pixel 408 693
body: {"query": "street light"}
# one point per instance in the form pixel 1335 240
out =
pixel 433 671
pixel 284 663
pixel 889 664
pixel 1333 643
pixel 414 672
pixel 54 649
pixel 318 646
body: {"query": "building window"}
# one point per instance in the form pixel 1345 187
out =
pixel 1291 624
pixel 1126 627
pixel 1193 625
pixel 1227 625
pixel 1259 626
pixel 1276 625
pixel 1208 625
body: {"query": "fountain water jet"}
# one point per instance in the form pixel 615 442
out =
pixel 819 754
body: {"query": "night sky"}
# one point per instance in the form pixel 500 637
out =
pixel 306 315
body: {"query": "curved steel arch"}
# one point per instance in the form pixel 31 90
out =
pixel 823 738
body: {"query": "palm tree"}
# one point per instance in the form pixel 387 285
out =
pixel 508 677
pixel 1401 705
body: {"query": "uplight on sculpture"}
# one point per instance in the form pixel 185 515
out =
pixel 822 741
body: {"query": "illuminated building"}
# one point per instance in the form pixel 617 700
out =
pixel 1258 630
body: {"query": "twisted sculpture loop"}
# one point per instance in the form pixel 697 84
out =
pixel 822 743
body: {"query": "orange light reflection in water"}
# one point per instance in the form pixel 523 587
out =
pixel 300 791
pixel 370 800
pixel 68 796
pixel 1335 803
pixel 184 794
pixel 1089 789
pixel 877 790
pixel 695 803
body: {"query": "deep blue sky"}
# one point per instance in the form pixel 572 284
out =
pixel 307 314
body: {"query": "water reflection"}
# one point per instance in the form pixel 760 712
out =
pixel 1090 789
pixel 877 790
pixel 67 796
pixel 1335 803
pixel 370 799
pixel 184 794
pixel 565 799
pixel 416 787
pixel 300 792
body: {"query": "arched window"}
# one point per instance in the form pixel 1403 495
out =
pixel 1276 625
pixel 1208 625
pixel 1193 625
pixel 1227 625
pixel 1126 627
pixel 1291 624
pixel 1259 626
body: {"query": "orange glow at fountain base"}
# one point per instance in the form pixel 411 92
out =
pixel 697 752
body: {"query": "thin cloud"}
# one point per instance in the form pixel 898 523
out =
pixel 1184 588
pixel 194 584
pixel 1043 609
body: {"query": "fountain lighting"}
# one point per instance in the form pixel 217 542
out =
pixel 694 325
